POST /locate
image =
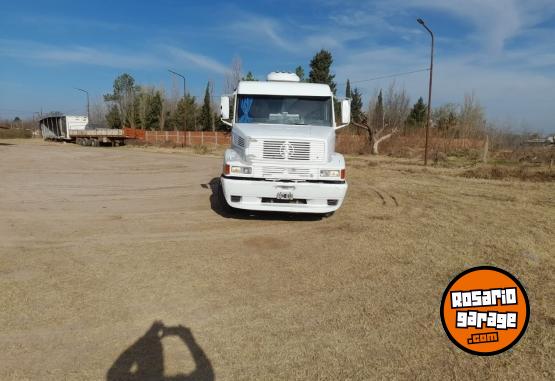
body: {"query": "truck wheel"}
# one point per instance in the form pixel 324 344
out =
pixel 220 202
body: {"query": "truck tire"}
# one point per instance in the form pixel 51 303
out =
pixel 220 203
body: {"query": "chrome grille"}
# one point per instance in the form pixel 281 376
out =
pixel 273 149
pixel 288 150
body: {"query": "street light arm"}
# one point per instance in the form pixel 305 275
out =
pixel 173 72
pixel 429 31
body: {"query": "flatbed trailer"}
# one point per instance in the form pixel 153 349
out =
pixel 98 136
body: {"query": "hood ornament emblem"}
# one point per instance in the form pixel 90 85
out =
pixel 286 150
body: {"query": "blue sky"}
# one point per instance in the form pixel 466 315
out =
pixel 503 51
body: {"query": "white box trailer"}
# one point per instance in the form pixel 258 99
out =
pixel 74 128
pixel 57 127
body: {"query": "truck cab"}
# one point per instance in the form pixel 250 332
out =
pixel 282 155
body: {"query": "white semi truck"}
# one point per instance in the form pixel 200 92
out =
pixel 282 155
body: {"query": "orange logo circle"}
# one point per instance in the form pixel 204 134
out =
pixel 485 310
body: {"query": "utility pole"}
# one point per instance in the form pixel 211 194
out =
pixel 88 104
pixel 184 97
pixel 421 22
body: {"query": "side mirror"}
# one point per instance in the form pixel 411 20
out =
pixel 345 111
pixel 224 107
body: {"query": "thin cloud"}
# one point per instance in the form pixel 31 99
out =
pixel 198 60
pixel 158 57
pixel 261 31
pixel 53 54
pixel 259 28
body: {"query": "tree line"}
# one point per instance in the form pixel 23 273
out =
pixel 148 108
pixel 388 111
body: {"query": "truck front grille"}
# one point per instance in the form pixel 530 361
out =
pixel 288 150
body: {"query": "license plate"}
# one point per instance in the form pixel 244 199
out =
pixel 284 196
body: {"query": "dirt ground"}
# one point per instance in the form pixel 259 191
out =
pixel 117 260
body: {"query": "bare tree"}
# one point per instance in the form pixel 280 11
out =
pixel 386 116
pixel 472 119
pixel 233 77
pixel 98 113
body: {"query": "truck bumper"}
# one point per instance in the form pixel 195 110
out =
pixel 261 195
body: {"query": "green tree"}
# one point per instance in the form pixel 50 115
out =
pixel 356 106
pixel 153 112
pixel 300 73
pixel 249 77
pixel 113 118
pixel 186 112
pixel 206 110
pixel 141 106
pixel 17 119
pixel 123 95
pixel 148 109
pixel 417 115
pixel 320 69
pixel 348 89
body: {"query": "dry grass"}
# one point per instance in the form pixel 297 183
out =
pixel 15 133
pixel 525 173
pixel 99 243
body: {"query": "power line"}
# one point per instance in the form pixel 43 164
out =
pixel 387 76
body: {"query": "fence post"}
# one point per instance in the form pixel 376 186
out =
pixel 215 133
pixel 189 136
pixel 202 138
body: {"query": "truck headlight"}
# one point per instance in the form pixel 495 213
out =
pixel 240 170
pixel 330 173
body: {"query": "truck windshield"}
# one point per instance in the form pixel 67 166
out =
pixel 277 109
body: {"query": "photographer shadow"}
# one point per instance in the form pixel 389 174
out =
pixel 144 360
